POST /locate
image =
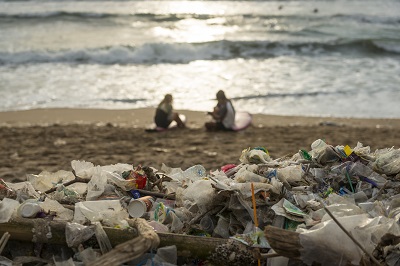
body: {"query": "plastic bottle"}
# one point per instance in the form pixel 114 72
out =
pixel 305 155
pixel 195 171
pixel 29 209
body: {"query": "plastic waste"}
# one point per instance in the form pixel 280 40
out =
pixel 162 213
pixel 200 195
pixel 6 191
pixel 195 172
pixel 7 208
pixel 159 227
pixel 102 238
pixel 388 162
pixel 138 207
pixel 176 223
pixel 137 178
pixel 291 173
pixel 53 206
pixel 29 209
pixel 107 211
pixel 244 175
pixel 96 185
pixel 324 153
pixel 207 224
pixel 255 156
pixel 76 234
pixel 47 180
pixel 222 228
pixel 318 144
pixel 87 256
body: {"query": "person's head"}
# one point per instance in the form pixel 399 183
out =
pixel 167 98
pixel 221 95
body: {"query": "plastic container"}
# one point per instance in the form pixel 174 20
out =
pixel 138 207
pixel 222 228
pixel 135 193
pixel 207 224
pixel 162 213
pixel 29 209
pixel 318 144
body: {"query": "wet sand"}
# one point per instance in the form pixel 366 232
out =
pixel 49 139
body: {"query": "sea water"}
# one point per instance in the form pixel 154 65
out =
pixel 330 58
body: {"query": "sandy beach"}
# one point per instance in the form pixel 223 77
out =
pixel 49 139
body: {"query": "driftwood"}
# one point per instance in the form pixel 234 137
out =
pixel 156 194
pixel 284 242
pixel 20 229
pixel 133 248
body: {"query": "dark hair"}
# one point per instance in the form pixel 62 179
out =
pixel 221 95
pixel 167 98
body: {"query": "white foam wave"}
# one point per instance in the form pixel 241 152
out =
pixel 389 46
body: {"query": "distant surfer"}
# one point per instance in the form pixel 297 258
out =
pixel 223 114
pixel 165 113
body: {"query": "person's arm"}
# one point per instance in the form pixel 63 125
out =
pixel 223 110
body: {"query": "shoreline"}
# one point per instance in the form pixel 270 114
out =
pixel 50 139
pixel 143 117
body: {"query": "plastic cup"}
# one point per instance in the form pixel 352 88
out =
pixel 138 207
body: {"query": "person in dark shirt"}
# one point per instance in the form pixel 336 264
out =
pixel 165 113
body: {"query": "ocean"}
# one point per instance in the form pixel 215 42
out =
pixel 337 58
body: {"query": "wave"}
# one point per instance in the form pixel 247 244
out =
pixel 153 53
pixel 170 17
pixel 289 94
pixel 124 100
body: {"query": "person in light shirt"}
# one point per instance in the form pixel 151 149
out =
pixel 223 114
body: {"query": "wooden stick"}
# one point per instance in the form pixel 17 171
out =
pixel 3 241
pixel 156 194
pixel 212 211
pixel 379 192
pixel 269 255
pixel 20 229
pixel 77 179
pixel 133 248
pixel 351 237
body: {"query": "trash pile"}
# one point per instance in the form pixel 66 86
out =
pixel 341 204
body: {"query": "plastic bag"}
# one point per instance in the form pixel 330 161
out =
pixel 96 185
pixel 201 194
pixel 109 212
pixel 291 174
pixel 75 234
pixel 63 214
pixel 256 156
pixel 247 175
pixel 387 162
pixel 47 180
pixel 7 208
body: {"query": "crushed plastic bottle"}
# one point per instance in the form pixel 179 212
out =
pixel 195 172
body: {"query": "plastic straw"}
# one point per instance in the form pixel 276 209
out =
pixel 348 177
pixel 253 199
